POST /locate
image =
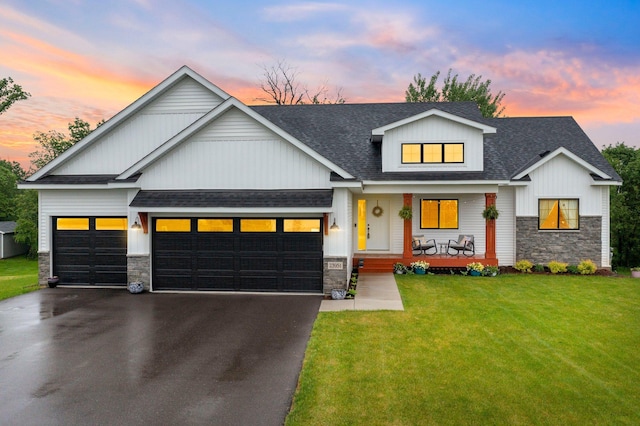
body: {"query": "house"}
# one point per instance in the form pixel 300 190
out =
pixel 8 246
pixel 190 189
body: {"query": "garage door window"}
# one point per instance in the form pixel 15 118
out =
pixel 215 225
pixel 302 225
pixel 173 225
pixel 257 225
pixel 111 224
pixel 72 224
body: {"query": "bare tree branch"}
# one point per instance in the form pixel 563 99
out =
pixel 280 84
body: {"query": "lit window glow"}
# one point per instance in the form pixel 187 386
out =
pixel 558 214
pixel 439 214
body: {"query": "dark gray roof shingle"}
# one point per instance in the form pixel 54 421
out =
pixel 233 198
pixel 342 134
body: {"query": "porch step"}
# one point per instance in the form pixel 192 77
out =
pixel 375 264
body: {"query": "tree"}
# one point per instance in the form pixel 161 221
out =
pixel 8 192
pixel 54 143
pixel 625 205
pixel 280 83
pixel 27 220
pixel 473 89
pixel 10 93
pixel 10 173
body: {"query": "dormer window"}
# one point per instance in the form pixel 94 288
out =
pixel 421 153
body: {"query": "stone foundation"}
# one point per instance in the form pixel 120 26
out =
pixel 44 268
pixel 541 247
pixel 138 269
pixel 335 274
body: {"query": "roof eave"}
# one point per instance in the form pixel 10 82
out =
pixel 380 131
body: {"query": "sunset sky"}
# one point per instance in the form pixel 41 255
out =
pixel 90 59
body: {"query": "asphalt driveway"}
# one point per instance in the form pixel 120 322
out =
pixel 96 356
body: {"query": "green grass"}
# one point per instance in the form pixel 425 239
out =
pixel 515 349
pixel 17 276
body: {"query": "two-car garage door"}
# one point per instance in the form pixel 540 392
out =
pixel 237 254
pixel 234 254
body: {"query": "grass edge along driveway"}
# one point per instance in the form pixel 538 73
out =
pixel 515 349
pixel 18 275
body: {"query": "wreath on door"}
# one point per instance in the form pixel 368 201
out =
pixel 377 211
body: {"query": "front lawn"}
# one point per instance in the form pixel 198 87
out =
pixel 515 349
pixel 17 276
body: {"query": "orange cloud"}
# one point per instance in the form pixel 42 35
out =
pixel 548 82
pixel 63 85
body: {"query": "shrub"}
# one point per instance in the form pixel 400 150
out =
pixel 490 271
pixel 587 267
pixel 556 267
pixel 523 265
pixel 538 267
pixel 573 269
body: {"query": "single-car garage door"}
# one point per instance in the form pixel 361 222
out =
pixel 237 254
pixel 90 250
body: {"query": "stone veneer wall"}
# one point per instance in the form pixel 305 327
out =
pixel 541 247
pixel 138 267
pixel 334 278
pixel 44 268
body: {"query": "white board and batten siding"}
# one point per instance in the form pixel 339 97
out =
pixel 433 129
pixel 146 130
pixel 506 226
pixel 560 177
pixel 235 152
pixel 605 262
pixel 186 96
pixel 338 242
pixel 77 203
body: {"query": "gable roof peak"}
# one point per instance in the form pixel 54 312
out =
pixel 379 131
pixel 146 99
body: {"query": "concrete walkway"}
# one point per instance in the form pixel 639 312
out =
pixel 376 292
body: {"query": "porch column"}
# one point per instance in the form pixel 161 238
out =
pixel 408 234
pixel 490 249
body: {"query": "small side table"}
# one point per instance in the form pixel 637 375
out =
pixel 443 247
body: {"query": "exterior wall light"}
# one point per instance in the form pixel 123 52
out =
pixel 136 226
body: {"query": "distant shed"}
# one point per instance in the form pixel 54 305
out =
pixel 8 246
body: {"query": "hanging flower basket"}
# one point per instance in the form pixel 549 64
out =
pixel 491 212
pixel 406 213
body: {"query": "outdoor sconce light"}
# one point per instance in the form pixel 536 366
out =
pixel 136 226
pixel 335 226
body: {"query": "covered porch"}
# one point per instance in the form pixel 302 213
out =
pixel 374 262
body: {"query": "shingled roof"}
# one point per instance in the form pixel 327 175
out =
pixel 318 198
pixel 342 133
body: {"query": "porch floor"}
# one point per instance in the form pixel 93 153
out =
pixel 368 262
